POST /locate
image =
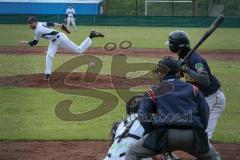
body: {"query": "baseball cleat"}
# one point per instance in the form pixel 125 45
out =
pixel 46 77
pixel 174 156
pixel 95 34
pixel 170 156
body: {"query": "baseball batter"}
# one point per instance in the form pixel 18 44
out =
pixel 56 39
pixel 197 71
pixel 70 17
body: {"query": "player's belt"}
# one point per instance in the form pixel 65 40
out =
pixel 129 135
pixel 50 34
pixel 55 38
pixel 120 155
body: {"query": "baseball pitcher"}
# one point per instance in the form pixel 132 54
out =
pixel 70 17
pixel 56 39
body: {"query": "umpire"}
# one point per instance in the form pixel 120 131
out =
pixel 175 117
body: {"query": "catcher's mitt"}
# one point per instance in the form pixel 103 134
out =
pixel 64 28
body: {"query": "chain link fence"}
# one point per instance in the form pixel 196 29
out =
pixel 151 21
pixel 230 8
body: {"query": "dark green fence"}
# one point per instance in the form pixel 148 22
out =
pixel 229 22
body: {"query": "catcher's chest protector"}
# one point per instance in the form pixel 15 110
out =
pixel 125 137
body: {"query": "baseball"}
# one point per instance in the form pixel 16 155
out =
pixel 91 64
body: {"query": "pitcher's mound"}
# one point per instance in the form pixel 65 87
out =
pixel 74 81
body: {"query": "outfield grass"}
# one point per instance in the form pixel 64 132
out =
pixel 11 65
pixel 28 113
pixel 142 37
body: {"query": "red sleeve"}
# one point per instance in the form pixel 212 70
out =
pixel 195 90
pixel 152 95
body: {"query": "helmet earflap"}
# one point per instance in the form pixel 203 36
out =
pixel 174 48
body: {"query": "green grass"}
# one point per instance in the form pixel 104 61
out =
pixel 28 113
pixel 142 37
pixel 31 116
pixel 11 65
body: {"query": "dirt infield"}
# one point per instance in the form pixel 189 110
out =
pixel 209 54
pixel 82 150
pixel 73 80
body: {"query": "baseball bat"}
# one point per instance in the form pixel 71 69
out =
pixel 210 30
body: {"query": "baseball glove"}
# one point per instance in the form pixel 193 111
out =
pixel 65 29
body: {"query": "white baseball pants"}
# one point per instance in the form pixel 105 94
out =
pixel 71 20
pixel 64 42
pixel 216 102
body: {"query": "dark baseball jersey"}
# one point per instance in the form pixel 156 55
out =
pixel 200 65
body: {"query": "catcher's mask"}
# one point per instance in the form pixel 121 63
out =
pixel 132 105
pixel 167 65
pixel 178 40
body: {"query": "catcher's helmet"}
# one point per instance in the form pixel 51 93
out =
pixel 178 40
pixel 167 65
pixel 133 103
pixel 32 19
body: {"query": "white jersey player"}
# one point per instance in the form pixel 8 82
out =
pixel 70 17
pixel 127 132
pixel 56 39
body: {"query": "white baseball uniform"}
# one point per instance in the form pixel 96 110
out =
pixel 57 39
pixel 70 17
pixel 216 103
pixel 121 144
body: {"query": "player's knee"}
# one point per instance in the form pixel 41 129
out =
pixel 220 107
pixel 130 154
pixel 80 50
pixel 49 56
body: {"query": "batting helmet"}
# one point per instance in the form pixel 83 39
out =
pixel 178 40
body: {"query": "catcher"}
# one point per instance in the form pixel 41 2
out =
pixel 127 132
pixel 56 39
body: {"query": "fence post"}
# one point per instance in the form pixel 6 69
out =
pixel 130 20
pixel 22 19
pixel 94 20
